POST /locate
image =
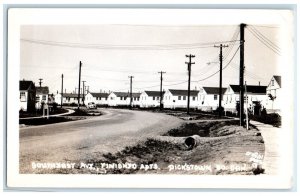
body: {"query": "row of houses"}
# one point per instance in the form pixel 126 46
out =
pixel 206 98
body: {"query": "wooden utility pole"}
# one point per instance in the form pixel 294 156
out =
pixel 62 90
pixel 189 83
pixel 242 67
pixel 247 117
pixel 83 98
pixel 130 106
pixel 88 89
pixel 79 84
pixel 40 82
pixel 161 93
pixel 220 86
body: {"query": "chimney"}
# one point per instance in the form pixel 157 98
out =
pixel 56 91
pixel 258 83
pixel 65 90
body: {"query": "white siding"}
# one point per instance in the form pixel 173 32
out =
pixel 147 101
pixel 23 100
pixel 276 92
pixel 173 102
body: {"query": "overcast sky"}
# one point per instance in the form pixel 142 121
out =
pixel 111 53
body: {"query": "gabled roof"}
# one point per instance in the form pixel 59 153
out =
pixel 183 92
pixel 99 94
pixel 250 89
pixel 25 85
pixel 42 90
pixel 278 80
pixel 153 93
pixel 213 90
pixel 71 95
pixel 126 94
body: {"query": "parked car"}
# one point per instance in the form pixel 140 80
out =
pixel 91 105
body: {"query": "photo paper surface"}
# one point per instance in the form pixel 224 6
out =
pixel 150 98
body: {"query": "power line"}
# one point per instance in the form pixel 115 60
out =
pixel 218 70
pixel 177 26
pixel 230 48
pixel 164 85
pixel 196 80
pixel 128 47
pixel 263 42
pixel 265 26
pixel 248 73
pixel 265 38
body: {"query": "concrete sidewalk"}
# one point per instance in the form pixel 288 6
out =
pixel 69 112
pixel 272 156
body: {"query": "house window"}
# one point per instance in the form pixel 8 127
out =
pixel 153 98
pixel 215 97
pixel 194 98
pixel 22 96
pixel 272 82
pixel 44 97
pixel 179 97
pixel 105 98
pixel 138 98
pixel 184 97
pixel 157 98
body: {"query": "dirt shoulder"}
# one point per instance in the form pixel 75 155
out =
pixel 223 148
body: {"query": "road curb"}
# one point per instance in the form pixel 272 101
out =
pixel 69 112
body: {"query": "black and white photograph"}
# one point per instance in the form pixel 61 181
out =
pixel 150 94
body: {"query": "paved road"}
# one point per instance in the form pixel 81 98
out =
pixel 272 155
pixel 89 139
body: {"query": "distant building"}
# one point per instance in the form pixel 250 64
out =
pixel 41 96
pixel 178 98
pixel 27 95
pixel 274 95
pixel 100 99
pixel 208 98
pixel 68 98
pixel 256 95
pixel 123 99
pixel 150 99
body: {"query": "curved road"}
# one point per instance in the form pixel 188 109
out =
pixel 88 139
